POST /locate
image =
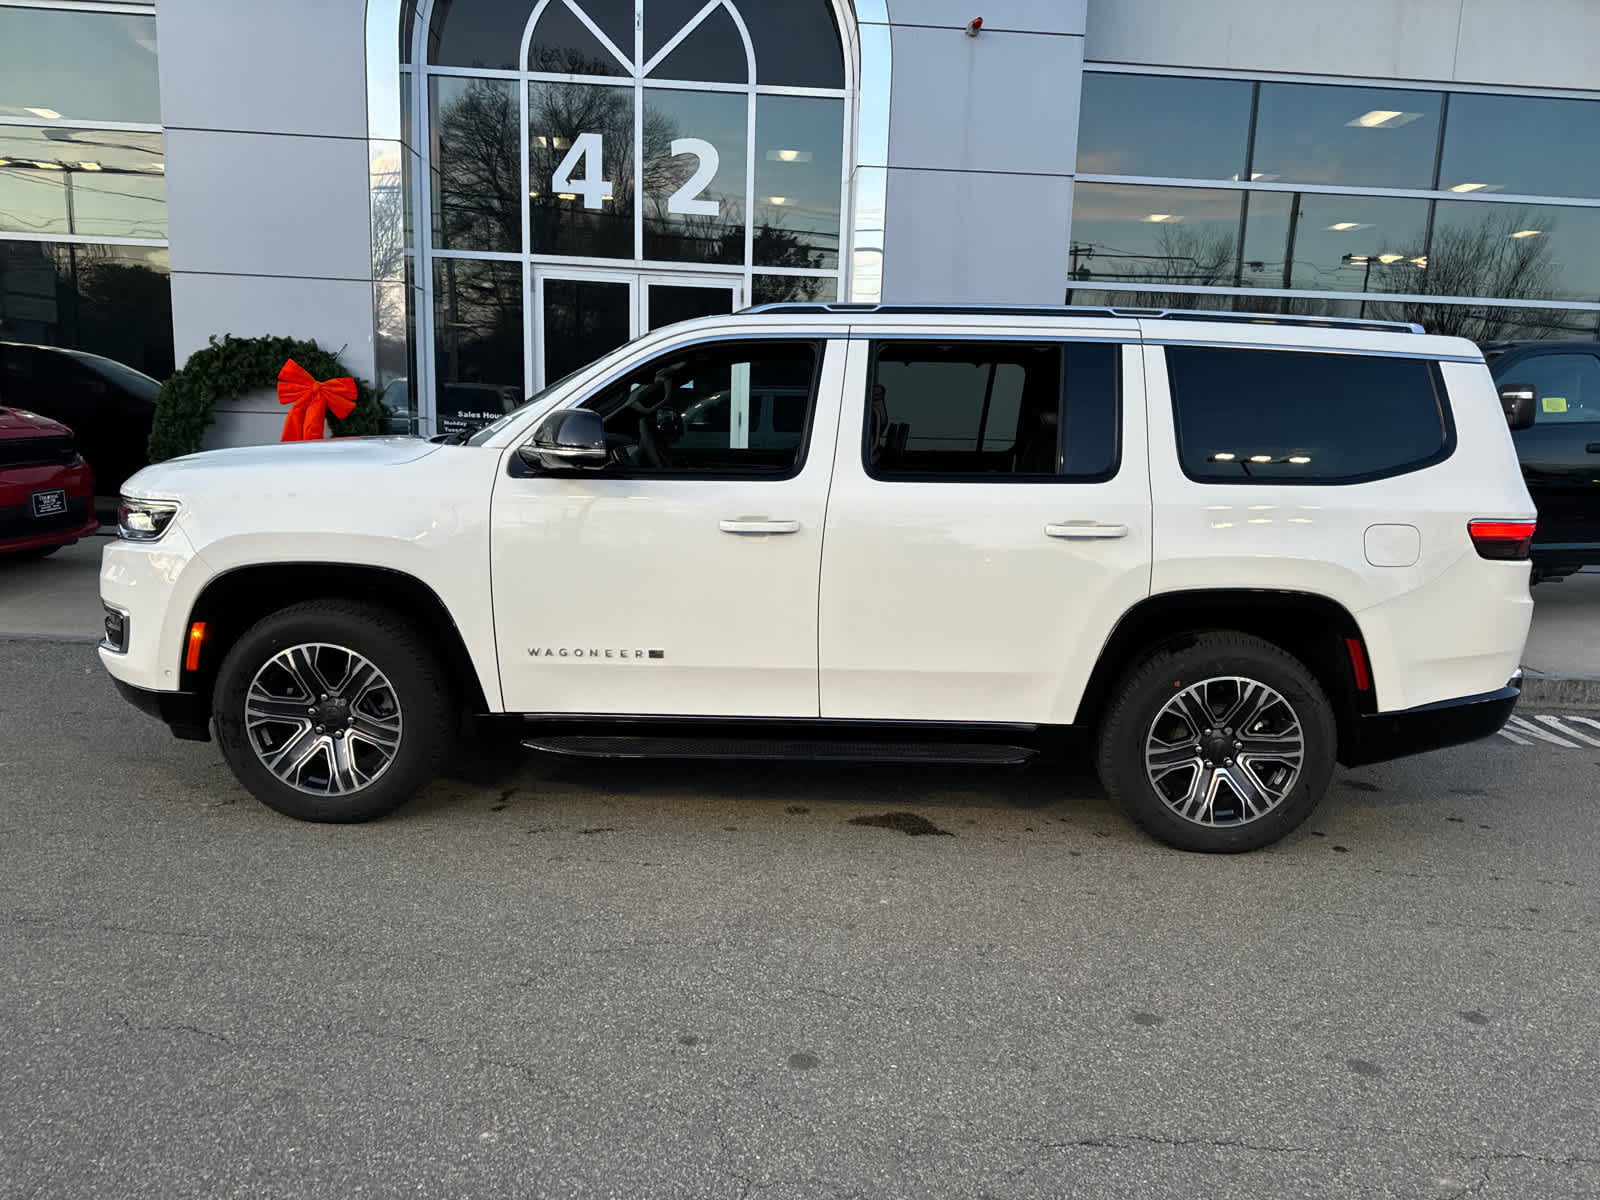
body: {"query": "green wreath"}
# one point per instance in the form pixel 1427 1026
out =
pixel 233 366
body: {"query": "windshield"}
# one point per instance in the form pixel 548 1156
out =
pixel 480 436
pixel 129 379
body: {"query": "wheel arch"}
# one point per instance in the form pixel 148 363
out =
pixel 236 599
pixel 1314 629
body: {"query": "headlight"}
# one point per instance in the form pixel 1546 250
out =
pixel 144 520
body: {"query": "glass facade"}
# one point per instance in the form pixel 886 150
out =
pixel 618 164
pixel 85 298
pixel 1423 205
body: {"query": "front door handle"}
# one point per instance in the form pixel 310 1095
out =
pixel 1075 530
pixel 758 525
pixel 1593 447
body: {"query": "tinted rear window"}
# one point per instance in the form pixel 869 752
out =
pixel 1288 416
pixel 994 410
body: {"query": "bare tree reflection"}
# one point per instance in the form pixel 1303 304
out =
pixel 478 179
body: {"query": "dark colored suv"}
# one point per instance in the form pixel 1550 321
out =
pixel 1560 448
pixel 107 404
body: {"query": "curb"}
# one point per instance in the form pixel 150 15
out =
pixel 1555 691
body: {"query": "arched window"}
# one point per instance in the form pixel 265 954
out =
pixel 598 168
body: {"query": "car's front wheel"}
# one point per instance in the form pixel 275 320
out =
pixel 332 710
pixel 1225 744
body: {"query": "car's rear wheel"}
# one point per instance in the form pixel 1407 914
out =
pixel 1223 745
pixel 332 711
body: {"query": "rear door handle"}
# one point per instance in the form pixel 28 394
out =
pixel 1075 530
pixel 758 525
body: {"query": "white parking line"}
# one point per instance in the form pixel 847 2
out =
pixel 1563 725
pixel 1567 730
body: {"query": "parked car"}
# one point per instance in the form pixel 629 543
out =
pixel 46 489
pixel 1229 549
pixel 108 404
pixel 1558 444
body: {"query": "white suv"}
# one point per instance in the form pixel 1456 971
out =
pixel 1234 549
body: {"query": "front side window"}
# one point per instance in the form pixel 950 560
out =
pixel 985 410
pixel 1568 386
pixel 733 409
pixel 1291 416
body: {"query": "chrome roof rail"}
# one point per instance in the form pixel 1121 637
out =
pixel 797 308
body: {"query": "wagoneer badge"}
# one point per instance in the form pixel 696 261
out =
pixel 572 652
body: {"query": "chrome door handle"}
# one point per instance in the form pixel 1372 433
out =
pixel 758 525
pixel 1075 530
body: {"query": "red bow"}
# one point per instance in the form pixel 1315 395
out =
pixel 311 400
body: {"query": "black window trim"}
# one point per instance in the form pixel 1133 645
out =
pixel 1441 398
pixel 876 341
pixel 819 344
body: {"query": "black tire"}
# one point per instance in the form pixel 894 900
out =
pixel 415 687
pixel 1162 680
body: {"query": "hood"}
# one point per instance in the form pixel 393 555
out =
pixel 20 423
pixel 285 462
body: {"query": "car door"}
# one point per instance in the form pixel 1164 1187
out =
pixel 988 525
pixel 681 579
pixel 1560 452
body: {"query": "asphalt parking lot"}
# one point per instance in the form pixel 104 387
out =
pixel 592 979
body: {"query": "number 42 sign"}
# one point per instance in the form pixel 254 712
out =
pixel 587 153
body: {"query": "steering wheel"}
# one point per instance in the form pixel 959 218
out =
pixel 657 431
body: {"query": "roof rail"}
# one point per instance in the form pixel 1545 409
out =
pixel 1084 310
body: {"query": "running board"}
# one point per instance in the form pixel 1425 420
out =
pixel 613 746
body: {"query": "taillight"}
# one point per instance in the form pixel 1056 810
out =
pixel 1502 539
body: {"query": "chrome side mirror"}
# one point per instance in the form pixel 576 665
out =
pixel 573 438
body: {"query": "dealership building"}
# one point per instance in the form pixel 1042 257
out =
pixel 467 199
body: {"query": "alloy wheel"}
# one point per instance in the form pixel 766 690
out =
pixel 1224 751
pixel 323 719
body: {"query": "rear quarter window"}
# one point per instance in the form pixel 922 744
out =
pixel 1292 416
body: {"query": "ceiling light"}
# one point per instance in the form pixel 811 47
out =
pixel 1390 258
pixel 1522 233
pixel 89 166
pixel 49 114
pixel 533 195
pixel 540 141
pixel 1346 226
pixel 1469 187
pixel 1421 261
pixel 156 166
pixel 1300 459
pixel 1358 259
pixel 566 195
pixel 561 143
pixel 1261 458
pixel 1383 118
pixel 777 199
pixel 1162 217
pixel 5 162
pixel 788 156
pixel 1222 458
pixel 1261 177
pixel 50 166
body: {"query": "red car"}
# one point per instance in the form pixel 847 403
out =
pixel 46 489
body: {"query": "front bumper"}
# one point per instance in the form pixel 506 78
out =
pixel 183 712
pixel 153 585
pixel 1378 737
